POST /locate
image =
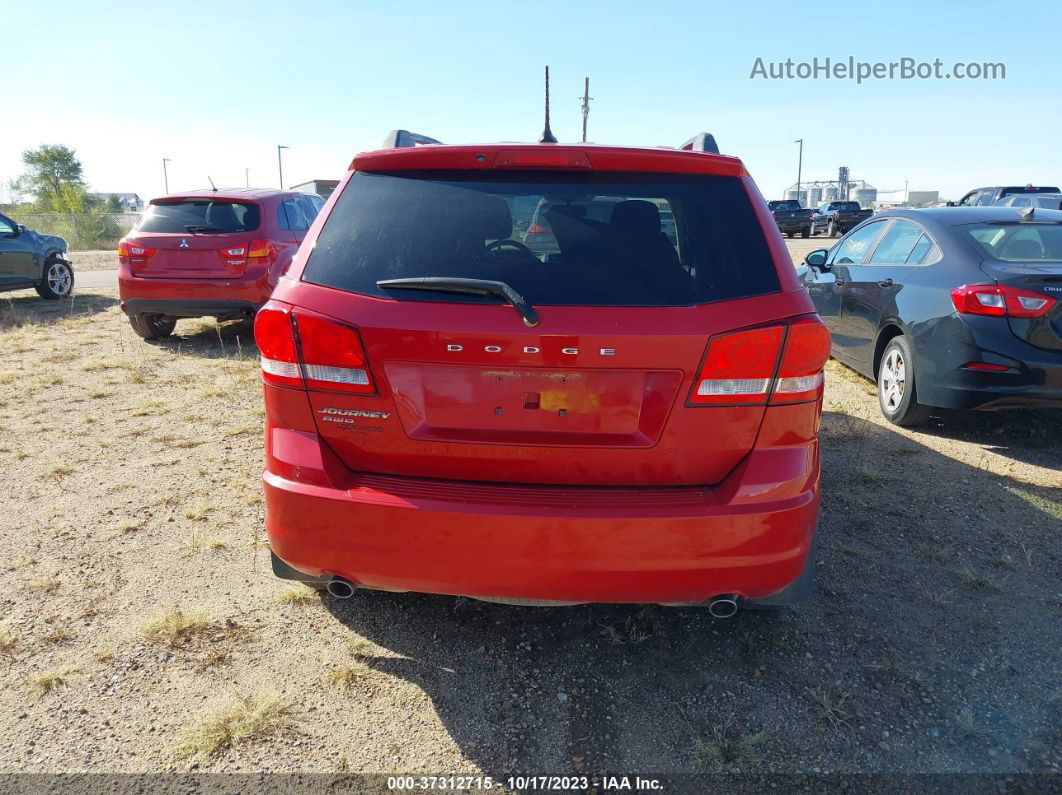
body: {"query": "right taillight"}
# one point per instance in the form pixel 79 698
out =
pixel 275 337
pixel 782 363
pixel 1000 301
pixel 800 376
pixel 304 349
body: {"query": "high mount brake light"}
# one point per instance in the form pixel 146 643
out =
pixel 325 355
pixel 1000 301
pixel 782 362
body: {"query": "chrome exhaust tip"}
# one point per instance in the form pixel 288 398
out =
pixel 723 606
pixel 340 588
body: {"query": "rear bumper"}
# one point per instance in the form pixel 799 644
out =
pixel 193 297
pixel 184 308
pixel 749 535
pixel 1033 380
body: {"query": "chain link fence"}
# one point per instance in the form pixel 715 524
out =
pixel 82 231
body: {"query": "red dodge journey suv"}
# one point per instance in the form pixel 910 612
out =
pixel 625 414
pixel 209 252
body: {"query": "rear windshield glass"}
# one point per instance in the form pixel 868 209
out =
pixel 202 216
pixel 561 239
pixel 1018 242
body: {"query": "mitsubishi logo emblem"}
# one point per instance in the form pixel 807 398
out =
pixel 184 243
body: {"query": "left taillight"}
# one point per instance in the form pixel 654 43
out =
pixel 132 253
pixel 304 349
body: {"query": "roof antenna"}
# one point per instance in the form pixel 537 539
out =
pixel 547 134
pixel 212 185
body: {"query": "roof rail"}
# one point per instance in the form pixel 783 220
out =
pixel 399 139
pixel 702 142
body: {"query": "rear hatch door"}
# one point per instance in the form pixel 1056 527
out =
pixel 196 238
pixel 598 391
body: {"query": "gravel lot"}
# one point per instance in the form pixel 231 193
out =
pixel 93 260
pixel 142 630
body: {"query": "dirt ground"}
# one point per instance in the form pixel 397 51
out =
pixel 142 629
pixel 93 261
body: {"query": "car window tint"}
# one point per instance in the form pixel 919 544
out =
pixel 1019 242
pixel 217 217
pixel 7 227
pixel 291 215
pixel 921 250
pixel 854 247
pixel 896 244
pixel 558 239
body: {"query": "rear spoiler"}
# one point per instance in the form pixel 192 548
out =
pixel 400 139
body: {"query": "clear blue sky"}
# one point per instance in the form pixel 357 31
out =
pixel 216 86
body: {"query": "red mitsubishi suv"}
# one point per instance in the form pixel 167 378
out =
pixel 209 252
pixel 628 413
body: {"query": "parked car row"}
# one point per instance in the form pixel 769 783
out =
pixel 957 308
pixel 592 371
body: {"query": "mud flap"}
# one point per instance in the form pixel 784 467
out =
pixel 285 572
pixel 797 592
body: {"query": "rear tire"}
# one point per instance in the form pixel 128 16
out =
pixel 790 234
pixel 897 393
pixel 805 232
pixel 831 229
pixel 58 281
pixel 152 327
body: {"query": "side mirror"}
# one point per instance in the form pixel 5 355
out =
pixel 816 258
pixel 951 204
pixel 19 229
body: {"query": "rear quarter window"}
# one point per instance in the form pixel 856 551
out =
pixel 558 239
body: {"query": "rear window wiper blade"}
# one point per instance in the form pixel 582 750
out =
pixel 452 284
pixel 196 228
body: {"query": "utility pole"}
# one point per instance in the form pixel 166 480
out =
pixel 586 104
pixel 905 193
pixel 247 177
pixel 280 165
pixel 165 175
pixel 800 164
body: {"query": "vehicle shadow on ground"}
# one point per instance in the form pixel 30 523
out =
pixel 29 309
pixel 924 648
pixel 203 337
pixel 1033 436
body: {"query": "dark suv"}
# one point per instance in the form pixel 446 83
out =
pixel 209 253
pixel 30 259
pixel 614 416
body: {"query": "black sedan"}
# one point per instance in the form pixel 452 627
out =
pixel 953 307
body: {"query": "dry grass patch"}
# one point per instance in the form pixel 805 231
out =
pixel 248 719
pixel 8 641
pixel 346 677
pixel 57 471
pixel 43 585
pixel 56 636
pixel 155 407
pixel 47 681
pixel 21 563
pixel 726 747
pixel 177 627
pixel 832 703
pixel 297 595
